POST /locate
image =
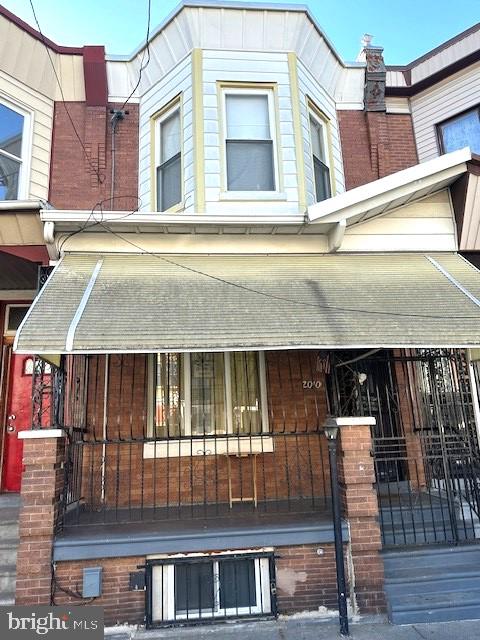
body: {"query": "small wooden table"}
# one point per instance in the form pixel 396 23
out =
pixel 254 497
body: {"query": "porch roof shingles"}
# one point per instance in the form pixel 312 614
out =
pixel 142 302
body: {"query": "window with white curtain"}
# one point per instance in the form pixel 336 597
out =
pixel 12 152
pixel 169 159
pixel 249 140
pixel 319 146
pixel 209 394
pixel 461 131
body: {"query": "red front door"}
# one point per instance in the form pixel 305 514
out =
pixel 18 417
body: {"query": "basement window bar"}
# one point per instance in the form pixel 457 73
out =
pixel 206 587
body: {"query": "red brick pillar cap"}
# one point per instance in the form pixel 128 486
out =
pixel 41 433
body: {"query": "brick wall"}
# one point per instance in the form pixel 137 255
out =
pixel 305 582
pixel 305 579
pixel 360 507
pixel 74 183
pixel 375 144
pixel 42 483
pixel 119 603
pixel 297 468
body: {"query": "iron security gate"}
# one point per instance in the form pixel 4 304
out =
pixel 425 440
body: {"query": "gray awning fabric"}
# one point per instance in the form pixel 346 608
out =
pixel 145 303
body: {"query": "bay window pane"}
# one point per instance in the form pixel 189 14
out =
pixel 461 132
pixel 208 393
pixel 318 144
pixel 247 417
pixel 168 395
pixel 169 183
pixel 322 180
pixel 170 137
pixel 247 117
pixel 250 166
pixel 11 129
pixel 9 174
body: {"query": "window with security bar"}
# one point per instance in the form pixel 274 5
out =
pixel 201 588
pixel 209 394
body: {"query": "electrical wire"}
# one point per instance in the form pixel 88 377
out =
pixel 100 176
pixel 276 297
pixel 145 50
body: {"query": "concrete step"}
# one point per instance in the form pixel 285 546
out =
pixel 460 582
pixel 438 607
pixel 444 556
pixel 7 578
pixel 8 530
pixel 413 514
pixel 8 555
pixel 7 597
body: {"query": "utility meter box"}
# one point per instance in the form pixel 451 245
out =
pixel 92 582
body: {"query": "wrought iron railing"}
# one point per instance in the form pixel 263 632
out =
pixel 425 441
pixel 250 442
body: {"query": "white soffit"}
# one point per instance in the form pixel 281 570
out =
pixel 393 191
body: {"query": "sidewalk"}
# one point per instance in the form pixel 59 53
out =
pixel 306 629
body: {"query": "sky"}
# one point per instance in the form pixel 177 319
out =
pixel 406 29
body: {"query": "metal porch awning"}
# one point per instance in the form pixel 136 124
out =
pixel 96 303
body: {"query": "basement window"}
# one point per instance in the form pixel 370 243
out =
pixel 197 588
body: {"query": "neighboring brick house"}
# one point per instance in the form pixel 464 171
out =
pixel 242 247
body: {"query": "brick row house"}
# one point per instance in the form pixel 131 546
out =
pixel 248 237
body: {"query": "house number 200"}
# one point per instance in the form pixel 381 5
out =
pixel 312 384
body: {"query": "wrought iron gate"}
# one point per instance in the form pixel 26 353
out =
pixel 425 441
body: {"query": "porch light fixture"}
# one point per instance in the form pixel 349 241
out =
pixel 331 432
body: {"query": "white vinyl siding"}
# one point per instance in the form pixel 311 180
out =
pixel 441 102
pixel 426 225
pixel 177 82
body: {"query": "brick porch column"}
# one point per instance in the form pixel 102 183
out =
pixel 360 508
pixel 42 484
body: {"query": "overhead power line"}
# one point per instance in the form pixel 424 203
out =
pixel 146 51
